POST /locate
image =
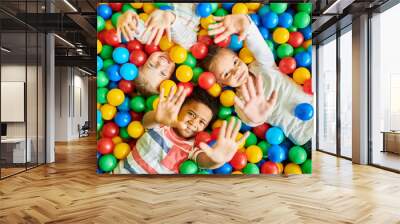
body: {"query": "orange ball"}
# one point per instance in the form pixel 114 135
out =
pixel 254 154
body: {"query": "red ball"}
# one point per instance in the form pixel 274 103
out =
pixel 205 39
pixel 122 45
pixel 307 87
pixel 101 36
pixel 199 50
pixel 295 39
pixel 110 130
pixel 132 143
pixel 111 38
pixel 225 42
pixel 215 133
pixel 188 87
pixel 239 160
pixel 116 7
pixel 151 48
pixel 202 137
pixel 206 80
pixel 287 65
pixel 126 86
pixel 105 146
pixel 136 116
pixel 260 130
pixel 134 45
pixel 138 57
pixel 269 168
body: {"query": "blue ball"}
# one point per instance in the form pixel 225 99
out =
pixel 304 111
pixel 104 11
pixel 285 20
pixel 275 136
pixel 255 18
pixel 303 59
pixel 112 85
pixel 113 73
pixel 270 20
pixel 235 44
pixel 276 154
pixel 99 119
pixel 290 11
pixel 227 6
pixel 212 143
pixel 259 164
pixel 99 171
pixel 287 144
pixel 166 7
pixel 120 55
pixel 244 127
pixel 225 169
pixel 309 49
pixel 203 9
pixel 128 71
pixel 263 10
pixel 264 32
pixel 307 32
pixel 99 63
pixel 122 119
pixel 125 105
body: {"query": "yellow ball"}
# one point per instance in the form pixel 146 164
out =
pixel 217 124
pixel 204 22
pixel 280 35
pixel 300 75
pixel 143 16
pixel 254 154
pixel 135 129
pixel 167 85
pixel 178 54
pixel 253 6
pixel 108 112
pixel 202 32
pixel 148 8
pixel 239 8
pixel 121 150
pixel 242 150
pixel 292 168
pixel 115 97
pixel 109 25
pixel 98 105
pixel 280 167
pixel 116 140
pixel 237 172
pixel 227 98
pixel 238 137
pixel 99 46
pixel 184 73
pixel 215 90
pixel 307 43
pixel 155 103
pixel 137 5
pixel 246 56
pixel 165 44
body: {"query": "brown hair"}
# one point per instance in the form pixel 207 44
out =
pixel 212 52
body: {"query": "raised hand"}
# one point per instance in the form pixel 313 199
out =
pixel 228 25
pixel 127 24
pixel 226 145
pixel 168 107
pixel 255 106
pixel 159 21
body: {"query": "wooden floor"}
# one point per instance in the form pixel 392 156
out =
pixel 69 191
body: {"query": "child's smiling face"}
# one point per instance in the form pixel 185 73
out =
pixel 196 116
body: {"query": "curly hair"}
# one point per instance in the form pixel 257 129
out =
pixel 202 96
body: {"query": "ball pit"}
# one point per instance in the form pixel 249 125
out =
pixel 285 28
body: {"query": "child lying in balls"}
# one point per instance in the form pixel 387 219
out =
pixel 169 139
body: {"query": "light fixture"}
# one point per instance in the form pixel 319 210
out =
pixel 84 71
pixel 5 49
pixel 64 40
pixel 70 5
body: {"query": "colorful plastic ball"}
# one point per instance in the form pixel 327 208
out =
pixel 114 18
pixel 110 130
pixel 275 136
pixel 199 50
pixel 251 140
pixel 124 106
pixel 184 73
pixel 253 6
pixel 99 46
pixel 224 169
pixel 284 50
pixel 129 7
pixel 264 146
pixel 207 40
pixel 260 130
pixel 187 86
pixel 108 112
pixel 239 8
pixel 224 112
pixel 137 104
pixel 285 20
pixel 136 116
pixel 225 42
pixel 129 71
pixel 235 44
pixel 263 10
pixel 300 75
pixel 255 18
pixel 190 60
pixel 197 71
pixel 303 59
pixel 126 86
pixel 117 140
pixel 178 54
pixel 270 20
pixel 206 80
pixel 238 161
pixel 304 7
pixel 116 7
pixel 120 55
pixel 287 65
pixel 167 86
pixel 109 26
pixel 107 162
pixel 264 32
pixel 111 38
pixel 122 119
pixel 165 44
pixel 278 7
pixel 246 56
pixel 102 95
pixel 134 45
pixel 296 39
pixel 188 167
pixel 254 154
pixel 304 111
pixel 237 172
pixel 99 63
pixel 251 168
pixel 105 145
pixel 204 22
pixel 227 6
pixel 204 171
pixel 202 136
pixel 306 167
pixel 307 87
pixel 307 32
pixel 297 155
pixel 203 9
pixel 121 150
pixel 301 20
pixel 269 168
pixel 217 124
pixel 215 133
pixel 306 44
pixel 151 48
pixel 215 90
pixel 115 97
pixel 106 52
pixel 292 168
pixel 280 35
pixel 100 23
pixel 123 133
pixel 112 85
pixel 104 11
pixel 220 12
pixel 298 50
pixel 99 123
pixel 150 101
pixel 138 57
pixel 135 129
pixel 276 153
pixel 227 98
pixel 292 29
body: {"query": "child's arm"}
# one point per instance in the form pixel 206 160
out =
pixel 224 149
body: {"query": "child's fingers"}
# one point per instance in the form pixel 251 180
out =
pixel 222 130
pixel 168 32
pixel 239 103
pixel 250 87
pixel 273 98
pixel 148 21
pixel 229 129
pixel 181 97
pixel 119 34
pixel 236 129
pixel 159 36
pixel 259 85
pixel 245 92
pixel 219 18
pixel 161 96
pixel 242 36
pixel 125 33
pixel 222 37
pixel 215 26
pixel 216 31
pixel 171 93
pixel 243 139
pixel 152 35
pixel 206 149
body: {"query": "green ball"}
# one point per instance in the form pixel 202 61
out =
pixel 284 50
pixel 190 60
pixel 232 117
pixel 123 133
pixel 107 162
pixel 224 112
pixel 251 140
pixel 306 167
pixel 304 7
pixel 149 102
pixel 102 95
pixel 220 12
pixel 102 79
pixel 137 104
pixel 114 18
pixel 158 5
pixel 100 125
pixel 251 168
pixel 301 20
pixel 264 146
pixel 196 74
pixel 101 24
pixel 297 155
pixel 298 50
pixel 188 167
pixel 214 7
pixel 106 52
pixel 278 7
pixel 107 63
pixel 204 171
pixel 126 7
pixel 292 29
pixel 269 43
